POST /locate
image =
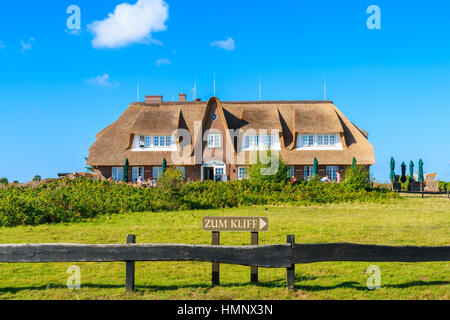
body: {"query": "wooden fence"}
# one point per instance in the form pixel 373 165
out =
pixel 266 256
pixel 447 193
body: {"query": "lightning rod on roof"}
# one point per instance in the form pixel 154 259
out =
pixel 195 87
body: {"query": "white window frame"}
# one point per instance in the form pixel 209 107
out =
pixel 309 171
pixel 290 171
pixel 241 176
pixel 214 140
pixel 322 141
pixel 156 172
pixel 136 172
pixel 219 171
pixel 117 173
pixel 331 172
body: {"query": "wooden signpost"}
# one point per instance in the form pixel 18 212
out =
pixel 237 224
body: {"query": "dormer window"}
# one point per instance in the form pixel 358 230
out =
pixel 214 140
pixel 256 142
pixel 328 141
pixel 153 143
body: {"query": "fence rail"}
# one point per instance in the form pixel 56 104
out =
pixel 447 193
pixel 266 256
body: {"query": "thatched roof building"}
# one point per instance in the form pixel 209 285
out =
pixel 299 131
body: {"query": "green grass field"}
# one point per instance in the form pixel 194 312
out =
pixel 411 221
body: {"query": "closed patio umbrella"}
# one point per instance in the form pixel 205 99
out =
pixel 164 166
pixel 403 178
pixel 353 163
pixel 315 166
pixel 411 171
pixel 392 169
pixel 420 171
pixel 125 171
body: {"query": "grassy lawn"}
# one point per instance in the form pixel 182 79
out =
pixel 412 221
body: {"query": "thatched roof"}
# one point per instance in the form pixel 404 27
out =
pixel 291 118
pixel 317 118
pixel 156 121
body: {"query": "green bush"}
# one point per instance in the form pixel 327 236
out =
pixel 270 167
pixel 444 186
pixel 3 181
pixel 357 178
pixel 80 199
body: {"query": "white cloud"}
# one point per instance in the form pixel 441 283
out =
pixel 103 81
pixel 26 45
pixel 2 45
pixel 224 44
pixel 130 23
pixel 162 62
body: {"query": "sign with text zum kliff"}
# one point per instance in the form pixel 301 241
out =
pixel 254 224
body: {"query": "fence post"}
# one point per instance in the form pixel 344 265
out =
pixel 129 274
pixel 254 270
pixel 290 271
pixel 215 265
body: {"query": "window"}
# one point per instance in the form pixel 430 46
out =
pixel 308 139
pixel 117 173
pixel 162 141
pixel 255 141
pixel 309 170
pixel 290 171
pixel 220 171
pixel 267 141
pixel 242 173
pixel 182 170
pixel 326 139
pixel 318 140
pixel 157 171
pixel 332 139
pixel 331 172
pixel 137 172
pixel 148 142
pixel 214 140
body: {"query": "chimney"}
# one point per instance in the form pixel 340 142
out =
pixel 182 97
pixel 153 99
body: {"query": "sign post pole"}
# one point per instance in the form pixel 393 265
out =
pixel 254 270
pixel 290 271
pixel 215 265
pixel 244 224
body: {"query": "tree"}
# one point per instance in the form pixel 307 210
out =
pixel 37 178
pixel 269 168
pixel 3 181
pixel 88 168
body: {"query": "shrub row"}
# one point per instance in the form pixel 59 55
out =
pixel 70 201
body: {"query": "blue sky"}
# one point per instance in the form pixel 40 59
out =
pixel 58 88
